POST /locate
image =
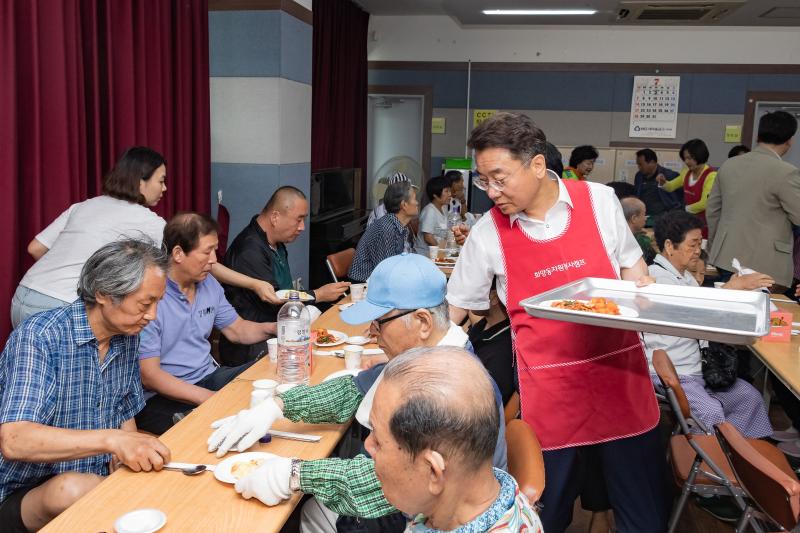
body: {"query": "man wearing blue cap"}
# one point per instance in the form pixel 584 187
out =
pixel 406 308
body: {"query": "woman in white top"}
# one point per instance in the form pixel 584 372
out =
pixel 678 236
pixel 432 220
pixel 136 183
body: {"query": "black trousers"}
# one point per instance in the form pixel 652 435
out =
pixel 157 415
pixel 635 472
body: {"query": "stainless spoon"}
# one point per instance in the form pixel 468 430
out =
pixel 188 470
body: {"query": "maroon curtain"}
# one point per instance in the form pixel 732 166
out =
pixel 81 80
pixel 339 87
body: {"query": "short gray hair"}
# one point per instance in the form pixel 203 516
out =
pixel 632 206
pixel 118 268
pixel 396 194
pixel 440 315
pixel 448 404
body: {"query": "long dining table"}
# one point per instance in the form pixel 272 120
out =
pixel 783 358
pixel 200 502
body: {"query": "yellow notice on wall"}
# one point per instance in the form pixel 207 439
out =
pixel 733 133
pixel 438 125
pixel 479 115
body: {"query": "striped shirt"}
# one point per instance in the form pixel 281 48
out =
pixel 51 374
pixel 384 238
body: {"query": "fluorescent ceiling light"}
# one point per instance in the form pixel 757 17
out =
pixel 539 11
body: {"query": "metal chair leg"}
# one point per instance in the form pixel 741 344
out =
pixel 685 491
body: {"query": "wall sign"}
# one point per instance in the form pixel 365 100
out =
pixel 479 115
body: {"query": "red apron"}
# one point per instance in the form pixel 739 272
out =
pixel 694 193
pixel 578 384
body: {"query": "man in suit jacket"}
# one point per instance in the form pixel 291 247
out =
pixel 755 201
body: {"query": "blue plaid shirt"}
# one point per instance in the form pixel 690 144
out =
pixel 384 238
pixel 51 374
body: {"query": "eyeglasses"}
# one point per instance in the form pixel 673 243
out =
pixel 376 324
pixel 484 183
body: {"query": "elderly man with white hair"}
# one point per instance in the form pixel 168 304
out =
pixel 434 425
pixel 405 307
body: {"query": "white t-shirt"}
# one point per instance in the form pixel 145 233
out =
pixel 80 231
pixel 684 353
pixel 433 221
pixel 481 258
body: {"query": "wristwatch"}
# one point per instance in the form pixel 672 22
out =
pixel 294 478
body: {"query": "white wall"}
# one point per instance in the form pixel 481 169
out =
pixel 440 38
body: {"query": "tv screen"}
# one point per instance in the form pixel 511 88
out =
pixel 332 192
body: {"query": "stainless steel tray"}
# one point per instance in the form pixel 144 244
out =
pixel 734 317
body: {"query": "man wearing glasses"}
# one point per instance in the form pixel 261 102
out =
pixel 584 389
pixel 406 308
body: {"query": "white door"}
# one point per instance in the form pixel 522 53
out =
pixel 394 128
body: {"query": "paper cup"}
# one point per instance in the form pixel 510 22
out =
pixel 433 251
pixel 718 284
pixel 283 387
pixel 358 291
pixel 268 385
pixel 272 347
pixel 352 357
pixel 258 396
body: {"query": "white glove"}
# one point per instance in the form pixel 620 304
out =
pixel 269 482
pixel 245 428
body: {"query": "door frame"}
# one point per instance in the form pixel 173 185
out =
pixel 752 100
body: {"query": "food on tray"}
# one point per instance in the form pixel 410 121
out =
pixel 242 468
pixel 603 306
pixel 777 321
pixel 446 261
pixel 324 337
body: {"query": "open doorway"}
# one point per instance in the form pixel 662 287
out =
pixel 398 135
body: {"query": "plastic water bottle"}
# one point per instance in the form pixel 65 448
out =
pixel 294 325
pixel 453 220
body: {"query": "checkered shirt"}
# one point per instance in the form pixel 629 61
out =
pixel 385 238
pixel 51 374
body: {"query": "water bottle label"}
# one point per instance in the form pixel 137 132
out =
pixel 293 333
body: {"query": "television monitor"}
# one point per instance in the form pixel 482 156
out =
pixel 332 192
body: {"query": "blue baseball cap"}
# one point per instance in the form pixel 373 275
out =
pixel 405 281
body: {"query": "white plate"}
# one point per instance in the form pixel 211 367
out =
pixel 359 340
pixel 623 310
pixel 344 372
pixel 342 307
pixel 223 470
pixel 445 265
pixel 140 521
pixel 340 338
pixel 283 294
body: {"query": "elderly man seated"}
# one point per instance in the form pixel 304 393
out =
pixel 175 356
pixel 406 307
pixel 433 431
pixel 70 388
pixel 635 214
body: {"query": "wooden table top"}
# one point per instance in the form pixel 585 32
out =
pixel 783 358
pixel 201 503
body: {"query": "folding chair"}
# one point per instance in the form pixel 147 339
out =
pixel 770 485
pixel 339 263
pixel 525 462
pixel 698 463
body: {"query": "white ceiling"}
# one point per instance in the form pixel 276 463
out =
pixel 469 12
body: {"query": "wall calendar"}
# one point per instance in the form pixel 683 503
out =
pixel 654 106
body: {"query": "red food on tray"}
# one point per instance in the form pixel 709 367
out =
pixel 603 306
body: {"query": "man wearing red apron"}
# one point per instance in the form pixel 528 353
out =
pixel 582 388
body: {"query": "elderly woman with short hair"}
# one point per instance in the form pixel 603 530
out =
pixel 678 236
pixel 389 234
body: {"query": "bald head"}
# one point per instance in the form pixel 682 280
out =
pixel 283 198
pixel 186 229
pixel 448 404
pixel 634 211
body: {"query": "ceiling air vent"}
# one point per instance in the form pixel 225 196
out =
pixel 676 11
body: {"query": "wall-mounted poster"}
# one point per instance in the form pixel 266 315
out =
pixel 654 106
